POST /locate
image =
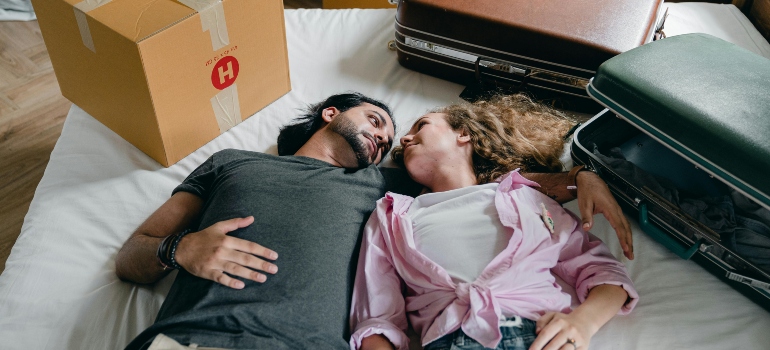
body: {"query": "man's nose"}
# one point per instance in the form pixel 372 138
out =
pixel 381 138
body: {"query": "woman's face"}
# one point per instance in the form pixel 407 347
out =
pixel 431 142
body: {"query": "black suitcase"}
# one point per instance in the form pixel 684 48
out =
pixel 550 48
pixel 700 107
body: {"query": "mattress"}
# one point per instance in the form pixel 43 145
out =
pixel 59 289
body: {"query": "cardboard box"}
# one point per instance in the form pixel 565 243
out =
pixel 361 4
pixel 167 75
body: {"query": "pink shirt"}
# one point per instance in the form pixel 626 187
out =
pixel 518 281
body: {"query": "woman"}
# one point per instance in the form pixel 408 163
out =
pixel 470 260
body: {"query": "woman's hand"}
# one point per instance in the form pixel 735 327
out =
pixel 376 342
pixel 555 329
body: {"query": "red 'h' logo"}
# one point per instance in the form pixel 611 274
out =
pixel 224 72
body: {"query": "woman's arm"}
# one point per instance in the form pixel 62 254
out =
pixel 555 328
pixel 601 283
pixel 378 310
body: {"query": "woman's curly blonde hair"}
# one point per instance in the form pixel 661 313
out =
pixel 507 132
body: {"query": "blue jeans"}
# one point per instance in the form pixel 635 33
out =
pixel 514 338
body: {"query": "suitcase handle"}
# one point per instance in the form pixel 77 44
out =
pixel 662 237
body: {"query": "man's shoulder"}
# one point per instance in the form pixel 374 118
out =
pixel 230 155
pixel 397 180
pixel 239 153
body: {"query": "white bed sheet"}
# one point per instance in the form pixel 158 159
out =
pixel 724 21
pixel 59 289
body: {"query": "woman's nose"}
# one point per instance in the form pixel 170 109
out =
pixel 405 139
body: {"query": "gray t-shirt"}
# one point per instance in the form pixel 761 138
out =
pixel 307 210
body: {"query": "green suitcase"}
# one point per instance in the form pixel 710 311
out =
pixel 700 108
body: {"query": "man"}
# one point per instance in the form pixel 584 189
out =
pixel 308 205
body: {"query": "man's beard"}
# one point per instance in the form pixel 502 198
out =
pixel 347 129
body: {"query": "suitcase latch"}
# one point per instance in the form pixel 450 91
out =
pixel 500 66
pixel 503 67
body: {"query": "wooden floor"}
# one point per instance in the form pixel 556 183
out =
pixel 32 111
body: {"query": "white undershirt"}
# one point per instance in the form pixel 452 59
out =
pixel 459 230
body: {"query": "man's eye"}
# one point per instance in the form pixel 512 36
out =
pixel 374 120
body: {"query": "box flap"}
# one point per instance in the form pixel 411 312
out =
pixel 704 98
pixel 134 19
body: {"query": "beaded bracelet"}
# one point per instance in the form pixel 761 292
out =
pixel 167 250
pixel 172 249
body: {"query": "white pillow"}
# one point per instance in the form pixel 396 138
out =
pixel 723 21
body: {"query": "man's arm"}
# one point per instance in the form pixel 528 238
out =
pixel 553 185
pixel 136 260
pixel 207 254
pixel 593 196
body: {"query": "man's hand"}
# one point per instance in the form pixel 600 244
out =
pixel 595 197
pixel 212 254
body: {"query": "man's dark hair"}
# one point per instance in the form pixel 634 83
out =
pixel 293 136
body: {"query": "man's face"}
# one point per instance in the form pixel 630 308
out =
pixel 368 130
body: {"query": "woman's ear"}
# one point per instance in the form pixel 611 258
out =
pixel 329 113
pixel 464 136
